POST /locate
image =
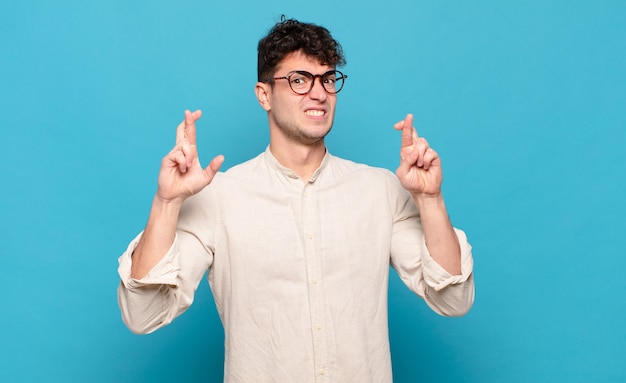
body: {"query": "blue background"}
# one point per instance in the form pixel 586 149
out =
pixel 524 101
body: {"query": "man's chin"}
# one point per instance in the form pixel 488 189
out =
pixel 316 138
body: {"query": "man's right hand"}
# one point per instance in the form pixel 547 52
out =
pixel 181 174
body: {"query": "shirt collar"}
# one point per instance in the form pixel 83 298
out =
pixel 274 164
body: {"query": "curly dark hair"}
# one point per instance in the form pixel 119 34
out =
pixel 288 36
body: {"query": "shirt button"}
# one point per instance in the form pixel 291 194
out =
pixel 314 282
pixel 310 236
pixel 318 327
pixel 322 372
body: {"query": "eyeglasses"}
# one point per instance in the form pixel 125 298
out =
pixel 301 82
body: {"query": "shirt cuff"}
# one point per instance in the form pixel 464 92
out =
pixel 437 277
pixel 163 273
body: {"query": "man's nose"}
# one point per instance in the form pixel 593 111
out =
pixel 318 92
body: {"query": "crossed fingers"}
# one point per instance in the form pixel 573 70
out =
pixel 415 150
pixel 184 152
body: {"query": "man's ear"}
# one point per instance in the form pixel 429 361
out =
pixel 263 91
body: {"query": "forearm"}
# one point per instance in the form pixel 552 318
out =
pixel 439 235
pixel 161 268
pixel 157 237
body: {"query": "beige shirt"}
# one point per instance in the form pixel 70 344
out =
pixel 299 270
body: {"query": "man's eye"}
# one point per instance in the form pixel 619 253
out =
pixel 298 80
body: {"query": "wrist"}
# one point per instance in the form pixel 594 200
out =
pixel 430 205
pixel 428 199
pixel 164 200
pixel 166 207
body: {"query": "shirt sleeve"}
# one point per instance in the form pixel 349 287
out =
pixel 167 291
pixel 446 294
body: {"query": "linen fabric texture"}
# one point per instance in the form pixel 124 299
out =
pixel 298 270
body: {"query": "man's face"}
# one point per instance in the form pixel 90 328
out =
pixel 303 119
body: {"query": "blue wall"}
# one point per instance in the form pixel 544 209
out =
pixel 524 100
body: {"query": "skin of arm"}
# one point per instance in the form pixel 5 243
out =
pixel 420 173
pixel 180 177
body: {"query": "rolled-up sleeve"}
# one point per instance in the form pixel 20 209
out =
pixel 446 294
pixel 155 300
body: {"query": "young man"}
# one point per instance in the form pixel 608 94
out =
pixel 297 242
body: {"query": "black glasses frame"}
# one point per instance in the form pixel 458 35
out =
pixel 322 77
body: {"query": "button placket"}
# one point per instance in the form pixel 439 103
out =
pixel 316 294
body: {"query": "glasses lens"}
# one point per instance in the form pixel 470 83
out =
pixel 300 82
pixel 333 81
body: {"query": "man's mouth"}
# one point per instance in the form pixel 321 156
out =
pixel 315 113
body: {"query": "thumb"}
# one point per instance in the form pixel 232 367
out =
pixel 403 169
pixel 213 167
pixel 408 157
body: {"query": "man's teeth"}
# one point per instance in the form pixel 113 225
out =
pixel 314 113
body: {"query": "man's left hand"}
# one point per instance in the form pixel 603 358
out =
pixel 420 166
